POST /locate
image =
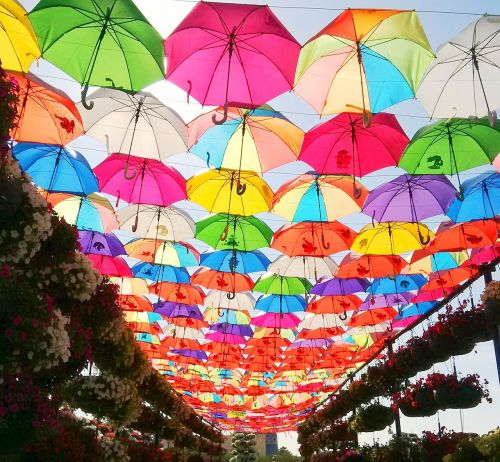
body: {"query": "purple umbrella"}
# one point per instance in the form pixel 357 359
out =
pixel 410 198
pixel 383 301
pixel 243 330
pixel 172 310
pixel 93 242
pixel 337 286
pixel 197 354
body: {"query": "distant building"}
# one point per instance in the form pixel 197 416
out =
pixel 266 444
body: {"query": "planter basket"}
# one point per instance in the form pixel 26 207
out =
pixel 475 328
pixel 422 355
pixel 462 397
pixel 445 345
pixel 426 405
pixel 404 364
pixel 372 418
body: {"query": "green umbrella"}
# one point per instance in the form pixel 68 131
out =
pixel 106 43
pixel 234 232
pixel 451 146
pixel 282 285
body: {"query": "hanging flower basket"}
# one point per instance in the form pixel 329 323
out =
pixel 443 343
pixel 472 325
pixel 372 418
pixel 491 300
pixel 416 401
pixel 361 391
pixel 404 364
pixel 421 354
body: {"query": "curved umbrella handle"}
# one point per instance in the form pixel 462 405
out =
pixel 190 87
pixel 367 119
pixel 492 118
pixel 356 191
pixel 224 116
pixel 343 316
pixel 240 188
pixel 277 331
pixel 390 328
pixel 326 245
pixel 224 234
pixel 126 175
pixel 231 295
pixel 460 193
pixel 136 223
pixel 86 105
pixel 423 240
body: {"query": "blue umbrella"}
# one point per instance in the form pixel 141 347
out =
pixel 418 309
pixel 397 284
pixel 56 168
pixel 161 273
pixel 281 303
pixel 235 261
pixel 481 199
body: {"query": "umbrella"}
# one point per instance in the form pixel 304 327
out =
pixel 130 286
pixel 373 318
pixel 306 267
pixel 56 168
pixel 425 263
pixel 235 261
pixel 336 304
pixel 155 222
pixel 323 321
pixel 479 256
pixel 431 295
pixel 449 278
pixel 227 300
pixel 161 273
pixel 397 284
pixel 224 337
pixel 278 303
pixel 178 293
pixel 106 44
pixel 228 282
pixel 275 284
pixel 233 232
pixel 163 252
pixel 230 191
pixel 391 238
pixel 134 303
pixel 243 330
pixel 462 80
pixel 92 212
pixel 481 199
pixel 410 198
pixel 313 239
pixel 44 113
pixel 137 124
pixel 255 140
pixel 313 197
pixel 363 61
pixel 451 146
pixel 370 266
pixel 219 53
pixel 276 320
pixel 19 44
pixel 93 242
pixel 336 286
pixel 344 146
pixel 216 315
pixel 175 309
pixel 110 266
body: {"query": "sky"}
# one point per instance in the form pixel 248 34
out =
pixel 304 18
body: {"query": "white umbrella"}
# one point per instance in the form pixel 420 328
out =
pixel 227 300
pixel 171 330
pixel 303 267
pixel 139 124
pixel 319 321
pixel 464 79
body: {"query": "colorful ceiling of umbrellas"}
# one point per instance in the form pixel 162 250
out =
pixel 259 309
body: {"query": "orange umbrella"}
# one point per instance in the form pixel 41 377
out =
pixel 180 343
pixel 373 317
pixel 44 113
pixel 219 280
pixel 370 266
pixel 178 293
pixel 134 303
pixel 449 278
pixel 313 239
pixel 216 347
pixel 321 332
pixel 335 304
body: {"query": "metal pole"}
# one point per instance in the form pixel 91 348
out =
pixel 397 419
pixel 495 329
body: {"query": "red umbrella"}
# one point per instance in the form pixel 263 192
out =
pixel 219 280
pixel 134 303
pixel 335 304
pixel 110 266
pixel 449 278
pixel 179 293
pixel 373 317
pixel 370 266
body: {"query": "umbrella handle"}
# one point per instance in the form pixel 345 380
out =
pixel 390 328
pixel 224 234
pixel 326 245
pixel 126 175
pixel 460 193
pixel 231 295
pixel 224 116
pixel 492 118
pixel 343 316
pixel 240 188
pixel 86 105
pixel 423 240
pixel 134 227
pixel 367 119
pixel 356 191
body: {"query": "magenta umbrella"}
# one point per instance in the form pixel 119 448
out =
pixel 231 54
pixel 280 321
pixel 344 146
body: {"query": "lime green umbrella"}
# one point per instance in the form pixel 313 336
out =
pixel 452 146
pixel 234 232
pixel 106 43
pixel 282 285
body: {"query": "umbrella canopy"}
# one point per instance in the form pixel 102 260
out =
pixel 344 146
pixel 382 301
pixel 370 266
pixel 285 285
pixel 235 261
pixel 233 232
pixel 178 293
pixel 237 301
pixel 174 310
pixel 44 113
pixel 401 283
pixel 17 37
pixel 137 124
pixel 106 44
pixel 134 303
pixel 230 191
pixel 336 286
pixel 276 320
pixel 220 51
pixel 110 266
pixel 100 244
pixel 468 66
pixel 336 304
pixel 255 140
pixel 216 315
pixel 163 252
pixel 424 263
pixel 313 197
pixel 130 286
pixel 56 168
pixel 305 267
pixel 161 273
pixel 363 61
pixel 151 181
pixel 228 282
pixel 278 303
pixel 410 198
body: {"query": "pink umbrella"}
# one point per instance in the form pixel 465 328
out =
pixel 231 53
pixel 110 266
pixel 344 146
pixel 222 337
pixel 276 320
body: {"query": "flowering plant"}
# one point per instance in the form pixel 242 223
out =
pixel 417 400
pixel 114 450
pixel 372 418
pixel 491 291
pixel 436 446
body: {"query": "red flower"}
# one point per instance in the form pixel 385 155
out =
pixel 17 320
pixel 5 271
pixel 8 332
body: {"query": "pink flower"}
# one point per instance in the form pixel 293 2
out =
pixel 23 336
pixel 8 332
pixel 5 271
pixel 17 320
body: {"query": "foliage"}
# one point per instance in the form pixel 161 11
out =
pixel 243 445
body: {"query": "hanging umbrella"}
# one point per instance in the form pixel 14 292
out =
pixel 391 238
pixel 305 267
pixel 44 113
pixel 400 283
pixel 130 286
pixel 218 280
pixel 163 252
pixel 56 168
pixel 138 124
pixel 92 212
pixel 178 293
pixel 19 45
pixel 220 51
pixel 279 303
pixel 106 44
pixel 479 256
pixel 432 295
pixel 254 140
pixel 276 284
pixel 276 320
pixel 363 61
pixel 223 337
pixel 344 146
pixel 161 273
pixel 331 324
pixel 93 242
pixel 110 266
pixel 451 146
pixel 424 263
pixel 155 222
pixel 178 310
pixel 243 330
pixel 230 191
pixel 233 232
pixel 217 315
pixel 461 81
pixel 370 266
pixel 313 239
pixel 449 278
pixel 336 286
pixel 235 261
pixel 226 300
pixel 481 199
pixel 134 303
pixel 336 304
pixel 313 197
pixel 410 198
pixel 391 299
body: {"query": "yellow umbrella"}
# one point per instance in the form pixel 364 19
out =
pixel 131 286
pixel 18 43
pixel 230 191
pixel 391 238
